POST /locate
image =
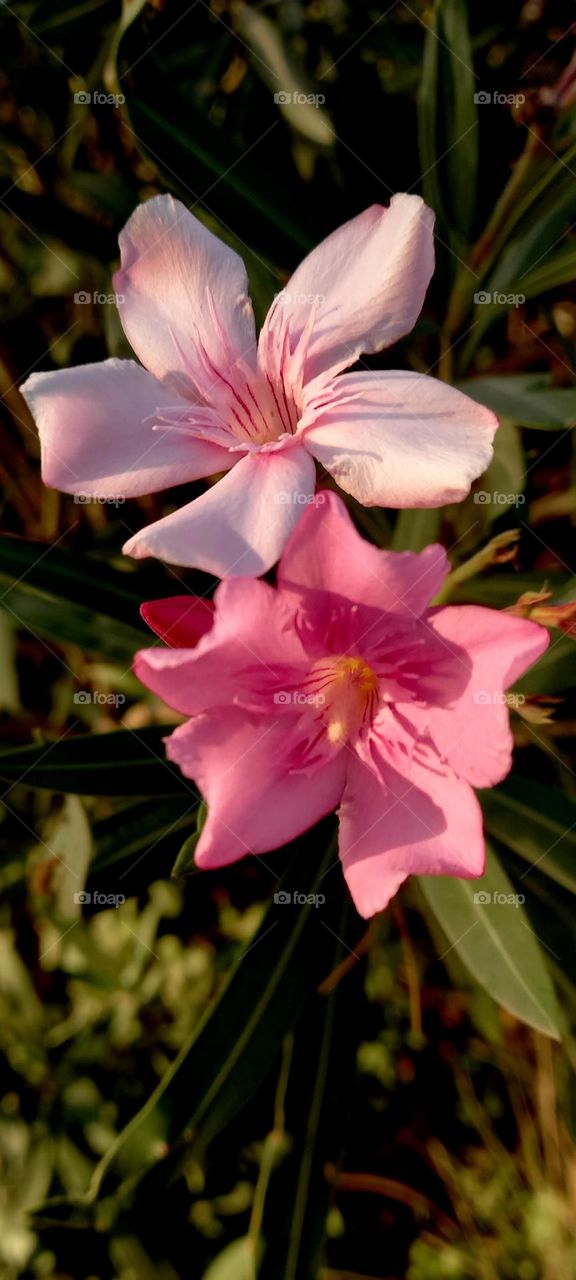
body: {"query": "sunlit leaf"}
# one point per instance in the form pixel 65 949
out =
pixel 494 938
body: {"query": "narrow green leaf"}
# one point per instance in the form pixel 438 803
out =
pixel 537 823
pixel 238 1040
pixel 105 764
pixel 493 936
pixel 448 121
pixel 185 860
pixel 527 399
pixel 72 577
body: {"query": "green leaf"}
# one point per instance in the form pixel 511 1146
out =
pixel 496 943
pixel 498 590
pixel 505 475
pixel 105 764
pixel 35 580
pixel 518 260
pixel 135 828
pixel 553 270
pixel 236 1044
pixel 416 529
pixel 527 399
pixel 185 860
pixel 537 823
pixel 448 121
pixel 317 1107
pixel 554 672
pixel 71 577
pixel 236 1262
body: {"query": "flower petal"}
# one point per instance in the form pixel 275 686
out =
pixel 418 822
pixel 240 525
pixel 368 281
pixel 473 735
pixel 179 285
pixel 254 804
pixel 251 639
pixel 325 553
pixel 180 621
pixel 405 440
pixel 95 424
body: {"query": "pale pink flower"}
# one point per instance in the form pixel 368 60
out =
pixel 212 399
pixel 342 687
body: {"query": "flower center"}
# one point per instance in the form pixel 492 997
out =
pixel 346 692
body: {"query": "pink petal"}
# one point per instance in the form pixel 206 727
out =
pixel 179 285
pixel 239 763
pixel 180 621
pixel 368 281
pixel 95 425
pixel 251 638
pixel 240 525
pixel 474 735
pixel 418 822
pixel 406 440
pixel 326 553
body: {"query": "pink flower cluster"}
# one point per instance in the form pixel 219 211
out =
pixel 341 686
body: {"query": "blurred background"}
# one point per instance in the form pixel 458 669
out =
pixel 366 1104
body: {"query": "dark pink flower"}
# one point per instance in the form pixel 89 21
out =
pixel 342 688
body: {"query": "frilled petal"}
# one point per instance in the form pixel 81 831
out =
pixel 240 525
pixel 240 658
pixel 182 296
pixel 400 439
pixel 422 821
pixel 326 553
pixel 473 734
pixel 180 621
pixel 367 282
pixel 240 762
pixel 95 425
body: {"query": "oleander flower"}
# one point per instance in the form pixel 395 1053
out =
pixel 341 688
pixel 208 398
